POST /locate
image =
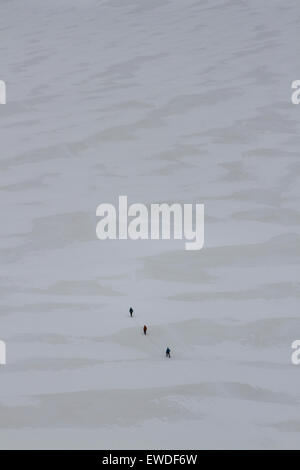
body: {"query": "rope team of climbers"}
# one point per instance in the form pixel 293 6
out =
pixel 145 329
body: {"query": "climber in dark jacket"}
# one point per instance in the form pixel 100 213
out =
pixel 145 330
pixel 168 352
pixel 131 311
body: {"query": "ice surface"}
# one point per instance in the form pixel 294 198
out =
pixel 163 101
